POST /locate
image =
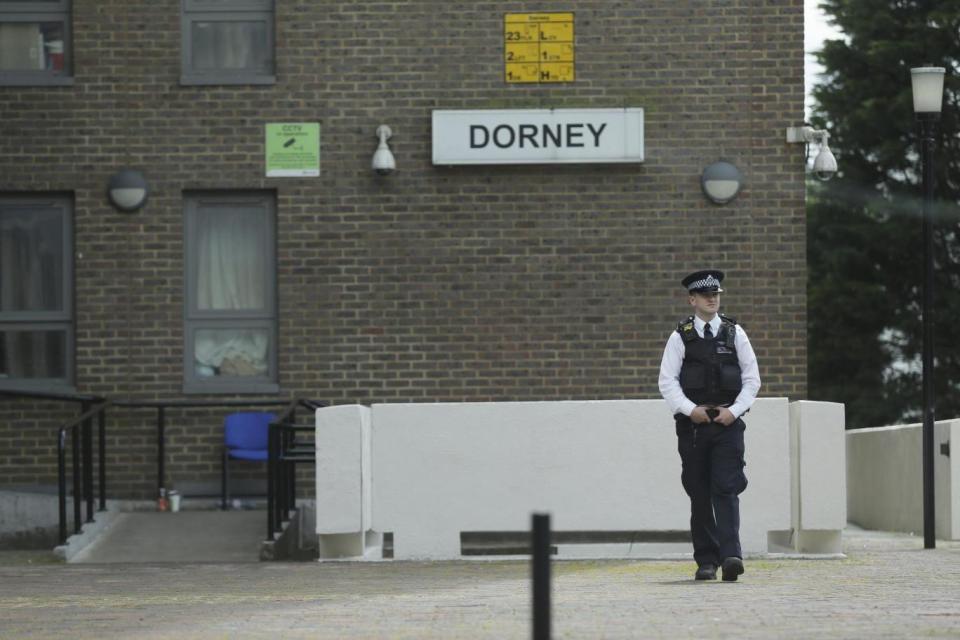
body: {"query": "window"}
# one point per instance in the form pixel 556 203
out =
pixel 227 42
pixel 36 276
pixel 230 329
pixel 35 42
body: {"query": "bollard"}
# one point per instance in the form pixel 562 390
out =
pixel 541 576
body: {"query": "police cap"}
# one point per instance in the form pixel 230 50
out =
pixel 705 281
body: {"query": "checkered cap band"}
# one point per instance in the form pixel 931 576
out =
pixel 705 283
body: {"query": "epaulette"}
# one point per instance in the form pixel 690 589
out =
pixel 728 328
pixel 686 330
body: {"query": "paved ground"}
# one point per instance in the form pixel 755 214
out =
pixel 888 587
pixel 187 536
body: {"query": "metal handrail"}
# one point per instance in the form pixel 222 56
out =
pixel 284 453
pixel 47 395
pixel 162 405
pixel 82 432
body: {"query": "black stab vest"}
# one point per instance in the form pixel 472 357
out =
pixel 710 374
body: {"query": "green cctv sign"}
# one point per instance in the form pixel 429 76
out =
pixel 292 149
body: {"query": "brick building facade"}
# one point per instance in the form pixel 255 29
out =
pixel 478 283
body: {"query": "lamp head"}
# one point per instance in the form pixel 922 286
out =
pixel 721 182
pixel 927 83
pixel 127 190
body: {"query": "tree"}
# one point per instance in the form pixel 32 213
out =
pixel 864 227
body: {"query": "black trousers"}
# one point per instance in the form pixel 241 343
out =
pixel 712 457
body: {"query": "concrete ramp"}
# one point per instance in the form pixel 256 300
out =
pixel 186 536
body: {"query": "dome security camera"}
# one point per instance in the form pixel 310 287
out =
pixel 383 162
pixel 824 165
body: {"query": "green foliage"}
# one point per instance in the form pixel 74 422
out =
pixel 864 227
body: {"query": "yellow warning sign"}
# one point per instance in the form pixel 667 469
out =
pixel 538 47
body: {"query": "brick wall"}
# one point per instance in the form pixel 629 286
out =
pixel 431 284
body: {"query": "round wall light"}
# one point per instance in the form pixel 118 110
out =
pixel 127 190
pixel 721 182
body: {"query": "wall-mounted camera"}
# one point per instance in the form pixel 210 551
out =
pixel 383 161
pixel 824 165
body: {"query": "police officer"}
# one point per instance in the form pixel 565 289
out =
pixel 709 378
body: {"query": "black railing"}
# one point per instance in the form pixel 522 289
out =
pixel 81 441
pixel 45 395
pixel 285 451
pixel 161 407
pixel 81 437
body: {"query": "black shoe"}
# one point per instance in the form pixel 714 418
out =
pixel 732 567
pixel 706 572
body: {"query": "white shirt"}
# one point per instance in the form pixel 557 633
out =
pixel 672 361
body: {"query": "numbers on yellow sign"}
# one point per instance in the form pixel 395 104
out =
pixel 522 52
pixel 521 32
pixel 538 47
pixel 523 72
pixel 556 52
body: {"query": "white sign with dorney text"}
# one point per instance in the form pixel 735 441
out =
pixel 537 136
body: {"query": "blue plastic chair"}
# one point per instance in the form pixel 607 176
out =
pixel 245 437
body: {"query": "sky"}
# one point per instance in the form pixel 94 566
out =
pixel 815 31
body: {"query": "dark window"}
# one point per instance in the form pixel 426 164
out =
pixel 35 42
pixel 36 277
pixel 230 326
pixel 228 42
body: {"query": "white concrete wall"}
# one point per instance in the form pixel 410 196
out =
pixel 818 476
pixel 947 483
pixel 885 479
pixel 343 480
pixel 436 470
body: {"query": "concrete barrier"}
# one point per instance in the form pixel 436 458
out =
pixel 28 519
pixel 601 468
pixel 885 478
pixel 343 482
pixel 818 496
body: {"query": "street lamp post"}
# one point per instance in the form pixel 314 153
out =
pixel 927 100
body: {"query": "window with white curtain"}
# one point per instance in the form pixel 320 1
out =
pixel 227 42
pixel 36 278
pixel 35 42
pixel 230 326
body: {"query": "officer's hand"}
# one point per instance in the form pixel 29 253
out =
pixel 725 417
pixel 699 415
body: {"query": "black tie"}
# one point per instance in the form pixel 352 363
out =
pixel 707 332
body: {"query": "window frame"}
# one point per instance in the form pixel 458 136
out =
pixel 57 11
pixel 225 11
pixel 47 320
pixel 195 319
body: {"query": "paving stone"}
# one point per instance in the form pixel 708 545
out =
pixel 887 587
